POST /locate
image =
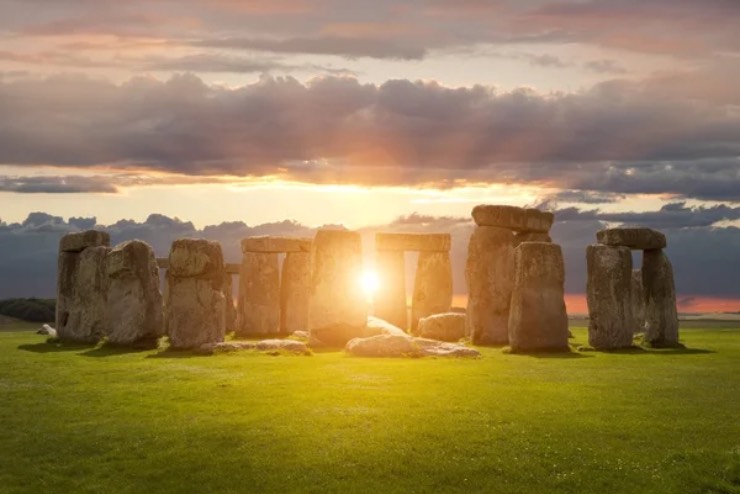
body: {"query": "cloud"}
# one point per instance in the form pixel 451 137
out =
pixel 618 137
pixel 56 184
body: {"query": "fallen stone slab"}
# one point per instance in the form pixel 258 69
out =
pixel 448 326
pixel 406 346
pixel 271 345
pixel 513 218
pixel 47 330
pixel 421 242
pixel 376 326
pixel 634 238
pixel 276 245
pixel 77 242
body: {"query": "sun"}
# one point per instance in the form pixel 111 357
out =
pixel 369 282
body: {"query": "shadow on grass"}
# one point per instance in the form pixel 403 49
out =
pixel 177 354
pixel 107 350
pixel 678 351
pixel 46 347
pixel 645 350
pixel 550 355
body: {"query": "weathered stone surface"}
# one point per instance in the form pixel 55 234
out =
pixel 609 297
pixel 259 295
pixel 390 300
pixel 406 346
pixel 273 345
pixel 448 326
pixel 634 238
pixel 195 257
pixel 638 301
pixel 513 218
pixel 661 316
pixel 376 326
pixel 432 286
pixel 531 237
pixel 337 307
pixel 422 242
pixel 276 245
pixel 295 290
pixel 77 242
pixel 489 273
pixel 537 320
pixel 194 303
pixel 133 312
pixel 81 295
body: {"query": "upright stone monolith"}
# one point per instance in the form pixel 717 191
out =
pixel 538 320
pixel 337 306
pixel 259 294
pixel 82 286
pixel 609 296
pixel 230 316
pixel 134 313
pixel 432 286
pixel 661 316
pixel 489 273
pixel 194 305
pixel 295 288
pixel 638 301
pixel 390 301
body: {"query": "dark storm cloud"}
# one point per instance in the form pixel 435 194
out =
pixel 618 137
pixel 55 185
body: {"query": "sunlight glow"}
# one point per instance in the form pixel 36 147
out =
pixel 370 283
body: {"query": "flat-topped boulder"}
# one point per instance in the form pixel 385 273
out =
pixel 271 345
pixel 634 238
pixel 77 242
pixel 513 218
pixel 376 326
pixel 190 257
pixel 276 245
pixel 406 346
pixel 448 326
pixel 422 242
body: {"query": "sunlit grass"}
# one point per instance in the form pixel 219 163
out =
pixel 77 419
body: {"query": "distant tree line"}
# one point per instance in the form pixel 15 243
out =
pixel 29 309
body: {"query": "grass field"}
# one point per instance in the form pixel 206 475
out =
pixel 78 420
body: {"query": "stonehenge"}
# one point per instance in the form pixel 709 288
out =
pixel 133 311
pixel 514 273
pixel 432 292
pixel 537 319
pixel 194 302
pixel 616 312
pixel 82 286
pixel 490 269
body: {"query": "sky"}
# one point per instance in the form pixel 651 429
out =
pixel 363 113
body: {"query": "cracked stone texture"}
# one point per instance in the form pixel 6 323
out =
pixel 259 294
pixel 432 286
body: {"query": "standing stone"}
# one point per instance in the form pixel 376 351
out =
pixel 489 274
pixel 538 321
pixel 81 287
pixel 194 308
pixel 295 287
pixel 638 301
pixel 609 297
pixel 259 294
pixel 661 316
pixel 230 310
pixel 531 237
pixel 390 301
pixel 432 286
pixel 133 314
pixel 337 307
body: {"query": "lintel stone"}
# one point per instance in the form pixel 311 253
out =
pixel 634 238
pixel 421 242
pixel 77 242
pixel 276 245
pixel 513 218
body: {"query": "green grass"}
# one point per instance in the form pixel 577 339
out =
pixel 76 419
